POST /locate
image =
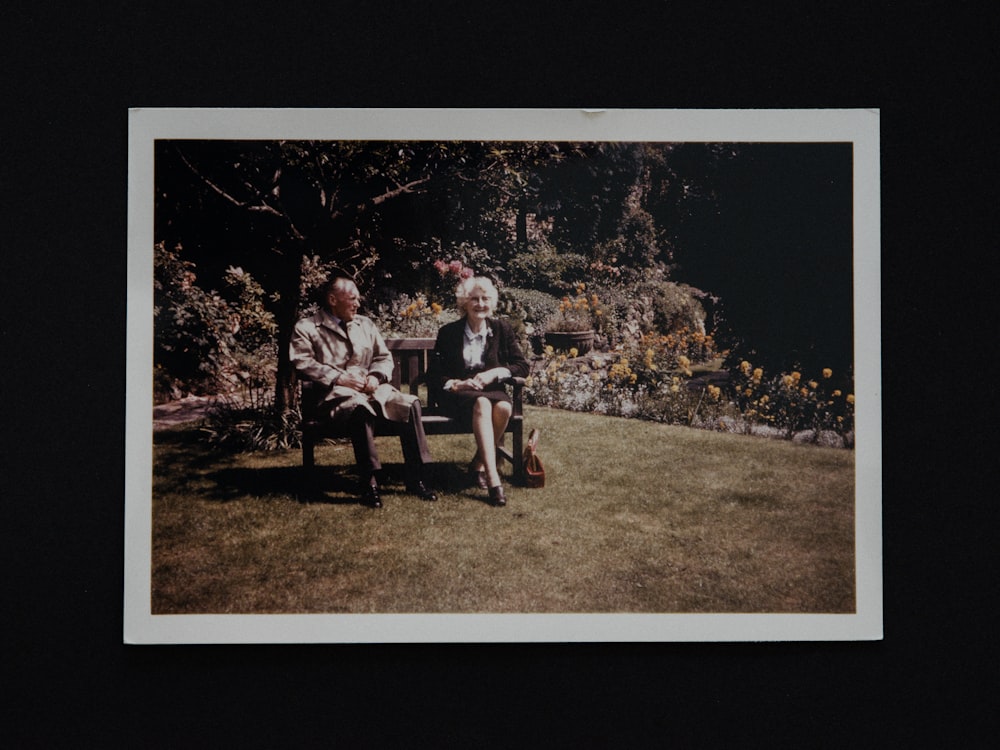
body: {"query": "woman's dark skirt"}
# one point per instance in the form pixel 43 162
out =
pixel 458 404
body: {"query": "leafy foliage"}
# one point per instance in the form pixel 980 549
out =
pixel 237 426
pixel 544 267
pixel 204 343
pixel 194 329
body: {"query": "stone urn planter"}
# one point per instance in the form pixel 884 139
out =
pixel 582 341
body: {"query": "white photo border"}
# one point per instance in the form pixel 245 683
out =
pixel 858 126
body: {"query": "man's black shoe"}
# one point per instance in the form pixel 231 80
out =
pixel 370 497
pixel 422 491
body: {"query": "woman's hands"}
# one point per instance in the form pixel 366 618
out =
pixel 479 381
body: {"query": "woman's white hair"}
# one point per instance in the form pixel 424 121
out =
pixel 467 287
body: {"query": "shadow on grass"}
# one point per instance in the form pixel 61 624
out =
pixel 335 485
pixel 185 445
pixel 330 484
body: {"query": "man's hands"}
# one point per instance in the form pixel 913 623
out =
pixel 362 384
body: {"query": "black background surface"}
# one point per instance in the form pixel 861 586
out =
pixel 70 73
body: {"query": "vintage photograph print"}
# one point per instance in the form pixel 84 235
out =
pixel 472 375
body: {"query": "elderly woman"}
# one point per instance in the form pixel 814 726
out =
pixel 474 355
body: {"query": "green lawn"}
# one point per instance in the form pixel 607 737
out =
pixel 635 517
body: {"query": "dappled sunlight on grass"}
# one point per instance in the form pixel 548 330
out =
pixel 635 517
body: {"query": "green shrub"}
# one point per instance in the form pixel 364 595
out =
pixel 670 306
pixel 232 424
pixel 530 306
pixel 203 342
pixel 545 268
pixel 193 330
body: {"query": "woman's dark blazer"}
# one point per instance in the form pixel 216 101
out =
pixel 502 350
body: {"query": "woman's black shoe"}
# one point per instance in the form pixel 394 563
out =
pixel 497 497
pixel 478 477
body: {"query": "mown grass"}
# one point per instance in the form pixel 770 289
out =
pixel 635 517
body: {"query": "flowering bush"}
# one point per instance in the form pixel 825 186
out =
pixel 412 317
pixel 653 361
pixel 578 313
pixel 644 384
pixel 452 263
pixel 790 404
pixel 453 268
pixel 612 384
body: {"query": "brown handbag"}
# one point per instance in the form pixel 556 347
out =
pixel 534 472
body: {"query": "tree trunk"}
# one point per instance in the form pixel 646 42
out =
pixel 285 389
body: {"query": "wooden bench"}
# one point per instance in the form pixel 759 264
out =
pixel 411 360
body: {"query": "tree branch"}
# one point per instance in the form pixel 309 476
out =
pixel 399 190
pixel 261 207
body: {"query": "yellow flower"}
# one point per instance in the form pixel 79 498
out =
pixel 765 398
pixel 745 367
pixel 684 362
pixel 675 388
pixel 748 392
pixel 813 384
pixel 549 350
pixel 788 381
pixel 714 392
pixel 758 374
pixel 827 372
pixel 796 376
pixel 436 308
pixel 850 398
pixel 837 393
pixel 573 352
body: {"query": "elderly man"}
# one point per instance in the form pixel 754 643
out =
pixel 345 354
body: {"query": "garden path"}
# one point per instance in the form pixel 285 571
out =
pixel 188 409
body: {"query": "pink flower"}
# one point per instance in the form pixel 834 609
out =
pixel 466 273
